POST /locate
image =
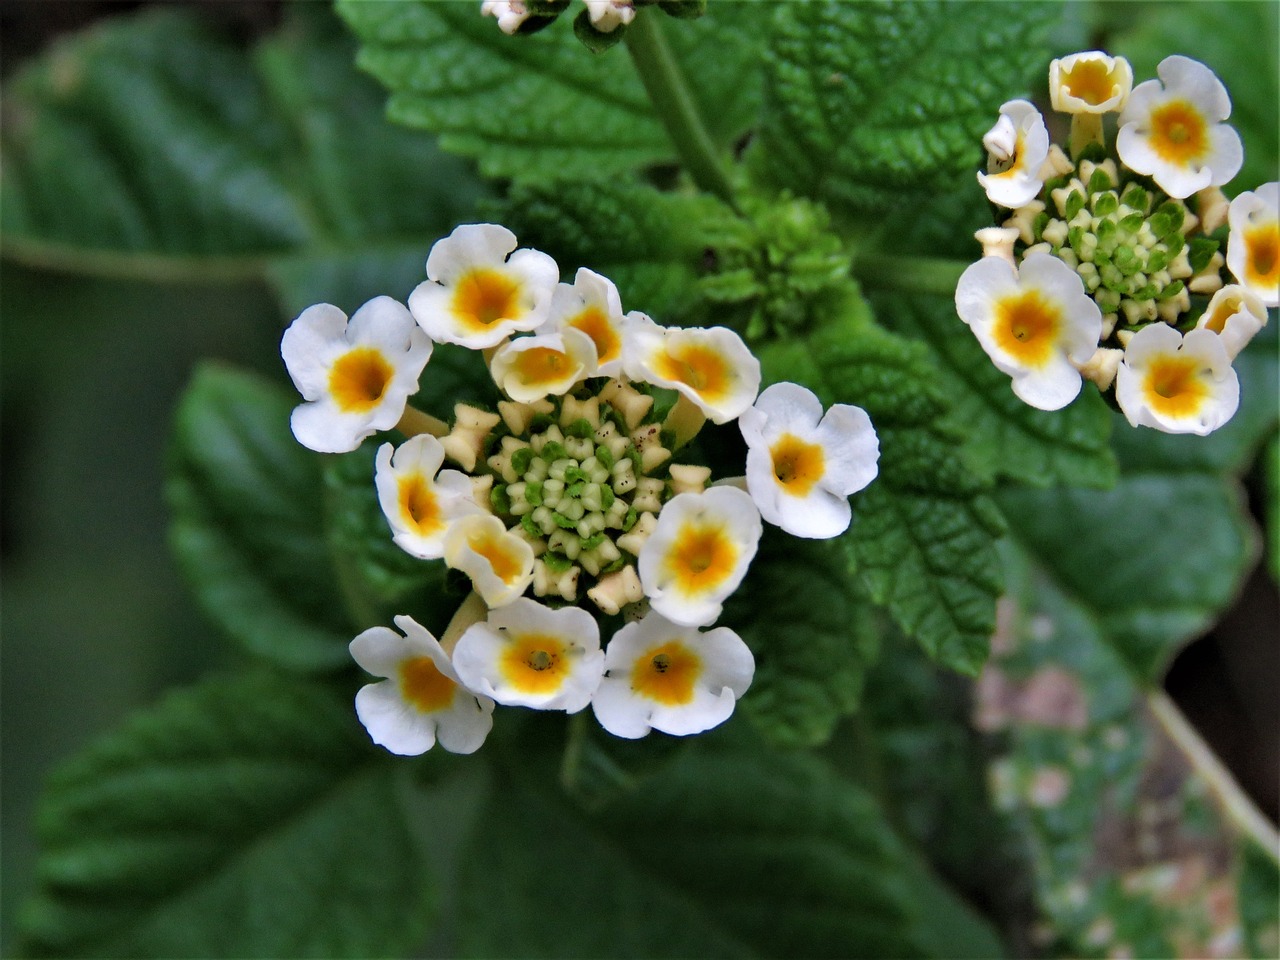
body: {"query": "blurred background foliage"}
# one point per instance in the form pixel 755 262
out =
pixel 281 185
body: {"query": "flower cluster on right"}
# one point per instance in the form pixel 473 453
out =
pixel 1121 260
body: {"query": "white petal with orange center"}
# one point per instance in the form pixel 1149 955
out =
pixel 527 654
pixel 422 701
pixel 356 376
pixel 1236 315
pixel 1171 129
pixel 1017 147
pixel 712 366
pixel 1090 82
pixel 499 563
pixel 1253 246
pixel 1177 384
pixel 1036 323
pixel 475 294
pixel 698 553
pixel 591 304
pixel 802 464
pixel 663 676
pixel 418 499
pixel 548 364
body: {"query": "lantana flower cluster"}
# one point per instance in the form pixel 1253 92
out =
pixel 570 505
pixel 1110 263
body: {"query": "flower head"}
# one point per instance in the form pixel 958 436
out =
pixel 475 294
pixel 1177 384
pixel 802 464
pixel 607 15
pixel 510 14
pixel 499 563
pixel 1253 247
pixel 548 364
pixel 1017 147
pixel 422 701
pixel 355 376
pixel 529 655
pixel 698 553
pixel 1035 322
pixel 418 498
pixel 1236 315
pixel 663 676
pixel 1171 129
pixel 711 366
pixel 1090 82
pixel 591 304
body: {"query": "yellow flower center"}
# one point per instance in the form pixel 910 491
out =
pixel 540 365
pixel 1027 326
pixel 667 673
pixel 696 366
pixel 1225 309
pixel 1173 386
pixel 505 566
pixel 359 378
pixel 424 686
pixel 797 464
pixel 1179 133
pixel 535 663
pixel 483 297
pixel 702 557
pixel 595 325
pixel 1262 260
pixel 1090 81
pixel 1015 161
pixel 419 506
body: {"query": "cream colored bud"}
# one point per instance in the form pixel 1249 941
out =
pixel 518 416
pixel 574 410
pixel 480 490
pixel 1124 336
pixel 1172 309
pixel 1208 280
pixel 616 590
pixel 1180 268
pixel 1023 220
pixel 1213 205
pixel 687 478
pixel 997 242
pixel 634 539
pixel 1138 311
pixel 1109 321
pixel 1102 366
pixel 1058 164
pixel 649 494
pixel 653 457
pixel 538 544
pixel 628 401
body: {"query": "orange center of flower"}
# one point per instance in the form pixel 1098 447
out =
pixel 797 464
pixel 424 686
pixel 667 673
pixel 1224 310
pixel 1090 81
pixel 359 378
pixel 595 325
pixel 483 297
pixel 1179 133
pixel 1026 327
pixel 540 365
pixel 419 506
pixel 698 367
pixel 1012 164
pixel 702 557
pixel 1173 386
pixel 505 566
pixel 535 663
pixel 1262 262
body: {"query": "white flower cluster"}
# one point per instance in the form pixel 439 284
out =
pixel 1108 267
pixel 605 15
pixel 566 505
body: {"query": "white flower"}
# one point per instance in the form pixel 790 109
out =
pixel 698 553
pixel 711 366
pixel 802 465
pixel 591 304
pixel 1173 131
pixel 1236 315
pixel 355 377
pixel 1090 82
pixel 475 295
pixel 529 655
pixel 509 13
pixel 500 564
pixel 1253 246
pixel 530 368
pixel 1177 384
pixel 607 15
pixel 1017 147
pixel 422 700
pixel 1036 323
pixel 662 676
pixel 418 498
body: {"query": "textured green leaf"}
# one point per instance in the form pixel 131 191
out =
pixel 812 634
pixel 245 817
pixel 151 146
pixel 534 107
pixel 867 104
pixel 923 533
pixel 1271 504
pixel 649 243
pixel 1006 438
pixel 1259 895
pixel 248 522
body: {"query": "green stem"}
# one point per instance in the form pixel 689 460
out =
pixel 913 274
pixel 669 92
pixel 573 751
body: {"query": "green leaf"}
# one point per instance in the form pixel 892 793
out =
pixel 649 243
pixel 245 817
pixel 248 522
pixel 152 147
pixel 807 624
pixel 923 533
pixel 1259 893
pixel 1005 438
pixel 535 107
pixel 1271 504
pixel 866 105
